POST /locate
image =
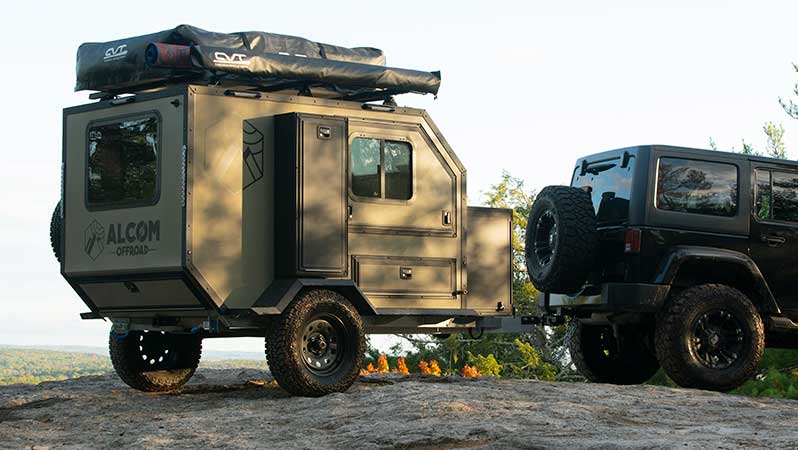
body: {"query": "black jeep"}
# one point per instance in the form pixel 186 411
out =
pixel 674 257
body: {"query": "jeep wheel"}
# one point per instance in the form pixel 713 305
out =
pixel 598 356
pixel 55 231
pixel 316 346
pixel 710 337
pixel 560 239
pixel 155 361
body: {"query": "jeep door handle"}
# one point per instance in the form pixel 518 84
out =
pixel 773 241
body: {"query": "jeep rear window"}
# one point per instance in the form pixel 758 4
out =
pixel 123 162
pixel 609 182
pixel 699 187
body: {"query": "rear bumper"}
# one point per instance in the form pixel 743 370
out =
pixel 614 297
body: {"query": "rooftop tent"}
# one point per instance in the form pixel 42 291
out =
pixel 264 61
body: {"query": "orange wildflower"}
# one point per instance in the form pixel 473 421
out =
pixel 469 372
pixel 401 367
pixel 382 364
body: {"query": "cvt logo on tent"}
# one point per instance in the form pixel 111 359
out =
pixel 236 59
pixel 114 53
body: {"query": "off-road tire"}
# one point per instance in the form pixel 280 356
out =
pixel 55 231
pixel 284 344
pixel 576 241
pixel 595 353
pixel 674 332
pixel 128 364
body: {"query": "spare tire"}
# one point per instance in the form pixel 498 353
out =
pixel 56 224
pixel 561 239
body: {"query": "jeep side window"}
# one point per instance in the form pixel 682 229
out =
pixel 777 195
pixel 763 194
pixel 123 163
pixel 381 168
pixel 699 187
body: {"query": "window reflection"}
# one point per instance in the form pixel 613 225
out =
pixel 366 167
pixel 785 196
pixel 398 183
pixel 763 194
pixel 381 169
pixel 699 187
pixel 610 188
pixel 123 162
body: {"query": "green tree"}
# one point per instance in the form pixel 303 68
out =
pixel 775 147
pixel 790 107
pixel 510 193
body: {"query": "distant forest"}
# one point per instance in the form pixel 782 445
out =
pixel 31 366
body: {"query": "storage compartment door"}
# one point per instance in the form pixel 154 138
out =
pixel 489 263
pixel 311 190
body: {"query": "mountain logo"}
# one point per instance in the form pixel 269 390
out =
pixel 94 239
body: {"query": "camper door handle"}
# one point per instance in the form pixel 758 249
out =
pixel 446 217
pixel 406 273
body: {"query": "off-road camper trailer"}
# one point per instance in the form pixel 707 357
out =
pixel 251 184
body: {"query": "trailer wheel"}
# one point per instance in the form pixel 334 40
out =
pixel 316 346
pixel 599 357
pixel 710 337
pixel 155 361
pixel 561 239
pixel 55 231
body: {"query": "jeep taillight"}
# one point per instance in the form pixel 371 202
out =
pixel 631 241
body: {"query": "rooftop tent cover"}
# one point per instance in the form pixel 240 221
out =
pixel 252 57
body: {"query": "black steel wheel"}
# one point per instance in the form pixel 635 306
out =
pixel 316 346
pixel 155 361
pixel 324 342
pixel 601 357
pixel 717 339
pixel 544 245
pixel 561 240
pixel 710 337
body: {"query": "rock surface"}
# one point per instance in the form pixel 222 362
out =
pixel 244 409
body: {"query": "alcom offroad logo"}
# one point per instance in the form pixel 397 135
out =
pixel 122 239
pixel 114 53
pixel 234 60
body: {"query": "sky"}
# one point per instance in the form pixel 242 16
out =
pixel 528 87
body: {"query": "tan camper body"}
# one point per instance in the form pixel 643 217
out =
pixel 232 202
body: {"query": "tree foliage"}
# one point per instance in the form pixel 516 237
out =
pixel 511 193
pixel 774 146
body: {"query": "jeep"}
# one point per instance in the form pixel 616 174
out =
pixel 670 257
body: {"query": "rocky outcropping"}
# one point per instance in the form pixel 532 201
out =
pixel 245 409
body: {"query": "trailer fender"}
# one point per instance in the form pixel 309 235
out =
pixel 283 291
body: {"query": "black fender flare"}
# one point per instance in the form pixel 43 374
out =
pixel 669 268
pixel 282 291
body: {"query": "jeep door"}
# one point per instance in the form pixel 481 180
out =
pixel 774 230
